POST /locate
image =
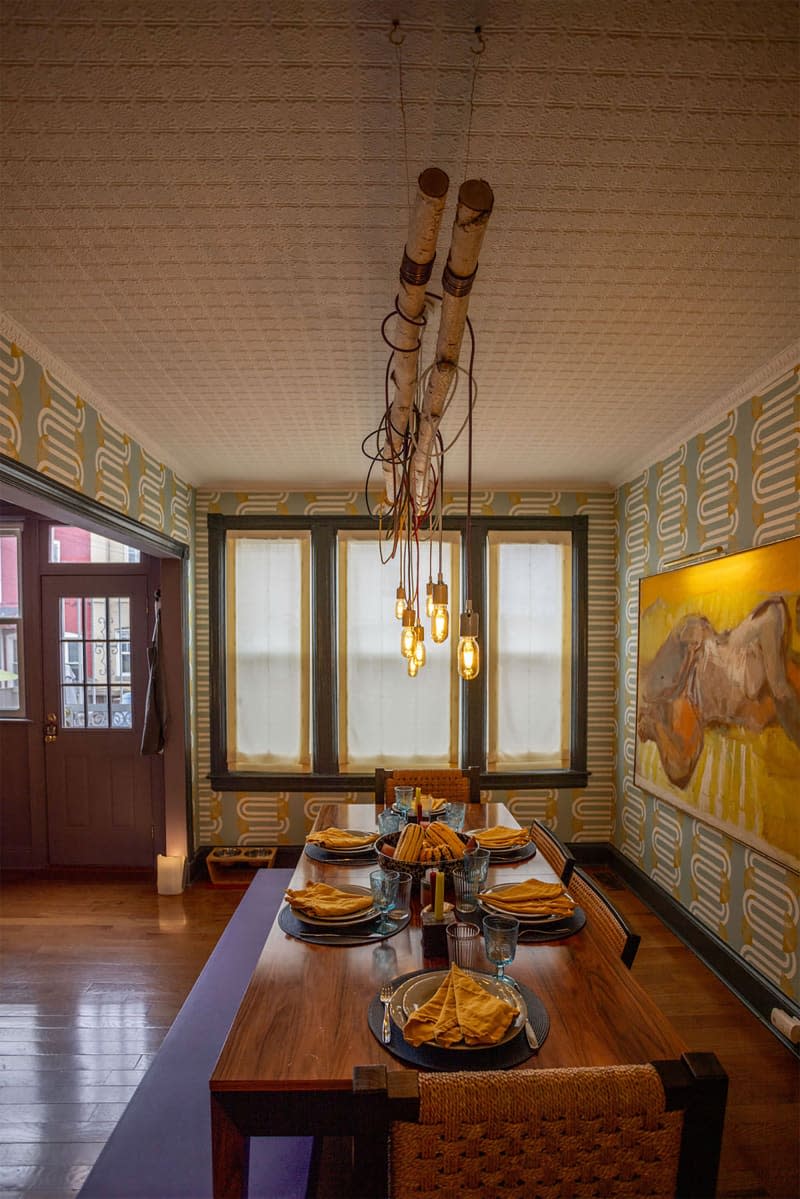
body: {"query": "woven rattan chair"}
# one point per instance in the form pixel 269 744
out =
pixel 551 849
pixel 647 1130
pixel 605 919
pixel 461 786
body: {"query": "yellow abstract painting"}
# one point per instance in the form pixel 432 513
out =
pixel 718 694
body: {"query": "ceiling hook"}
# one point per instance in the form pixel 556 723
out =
pixel 396 37
pixel 478 37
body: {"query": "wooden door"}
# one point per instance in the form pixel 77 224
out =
pixel 99 802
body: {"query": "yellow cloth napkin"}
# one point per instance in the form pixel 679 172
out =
pixel 532 898
pixel 501 837
pixel 341 838
pixel 460 1010
pixel 320 899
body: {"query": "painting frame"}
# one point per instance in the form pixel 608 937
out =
pixel 717 730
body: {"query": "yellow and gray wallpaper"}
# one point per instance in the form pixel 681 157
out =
pixel 48 427
pixel 736 486
pixel 268 817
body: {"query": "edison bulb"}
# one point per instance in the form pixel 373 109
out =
pixel 468 658
pixel 400 603
pixel 408 639
pixel 413 666
pixel 440 625
pixel 468 655
pixel 419 646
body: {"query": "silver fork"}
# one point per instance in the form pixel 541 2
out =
pixel 529 1033
pixel 386 999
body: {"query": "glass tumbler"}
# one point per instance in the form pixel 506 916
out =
pixel 469 878
pixel 464 945
pixel 402 904
pixel 454 815
pixel 389 821
pixel 404 798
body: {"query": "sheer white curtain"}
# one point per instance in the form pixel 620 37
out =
pixel 269 676
pixel 529 651
pixel 385 717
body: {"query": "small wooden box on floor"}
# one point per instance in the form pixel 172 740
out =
pixel 235 866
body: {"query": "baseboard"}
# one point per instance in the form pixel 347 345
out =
pixel 755 991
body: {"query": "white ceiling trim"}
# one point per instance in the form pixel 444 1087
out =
pixel 770 372
pixel 22 337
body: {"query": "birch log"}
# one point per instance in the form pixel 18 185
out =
pixel 420 251
pixel 475 201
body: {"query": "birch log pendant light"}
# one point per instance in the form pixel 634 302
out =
pixel 409 444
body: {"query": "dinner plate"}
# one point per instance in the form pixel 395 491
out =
pixel 347 851
pixel 506 851
pixel 427 813
pixel 523 917
pixel 415 991
pixel 352 918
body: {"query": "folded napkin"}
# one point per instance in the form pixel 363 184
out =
pixel 341 838
pixel 501 837
pixel 320 899
pixel 532 898
pixel 460 1010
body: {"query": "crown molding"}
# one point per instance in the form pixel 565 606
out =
pixel 17 333
pixel 769 373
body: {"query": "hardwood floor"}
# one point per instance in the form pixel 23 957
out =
pixel 761 1144
pixel 94 973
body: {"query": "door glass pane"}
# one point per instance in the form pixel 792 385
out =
pixel 95 617
pixel 71 623
pixel 68 544
pixel 72 708
pixel 97 707
pixel 72 661
pixel 119 616
pixel 121 710
pixel 97 662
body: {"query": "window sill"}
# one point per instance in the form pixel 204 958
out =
pixel 541 780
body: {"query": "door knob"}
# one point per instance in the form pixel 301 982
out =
pixel 50 728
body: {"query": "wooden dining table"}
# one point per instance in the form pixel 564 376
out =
pixel 286 1067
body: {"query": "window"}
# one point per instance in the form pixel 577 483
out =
pixel 307 677
pixel 12 690
pixel 529 653
pixel 267 653
pixel 385 716
pixel 70 544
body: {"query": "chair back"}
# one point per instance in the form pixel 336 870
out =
pixel 647 1130
pixel 604 917
pixel 553 852
pixel 460 786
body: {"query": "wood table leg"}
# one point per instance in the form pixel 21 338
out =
pixel 230 1155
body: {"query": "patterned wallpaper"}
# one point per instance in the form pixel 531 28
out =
pixel 736 485
pixel 226 818
pixel 46 425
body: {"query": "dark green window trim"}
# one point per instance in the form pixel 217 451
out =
pixel 326 777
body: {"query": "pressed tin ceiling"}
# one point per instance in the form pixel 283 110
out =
pixel 204 207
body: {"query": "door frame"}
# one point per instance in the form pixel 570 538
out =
pixel 46 498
